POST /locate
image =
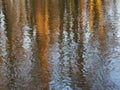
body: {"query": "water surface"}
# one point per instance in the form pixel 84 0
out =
pixel 59 45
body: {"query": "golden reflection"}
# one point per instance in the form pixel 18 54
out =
pixel 96 17
pixel 101 31
pixel 41 21
pixel 91 15
pixel 100 13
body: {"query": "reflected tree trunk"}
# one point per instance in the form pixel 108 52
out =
pixel 41 21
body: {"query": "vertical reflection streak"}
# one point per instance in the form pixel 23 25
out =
pixel 17 65
pixel 91 16
pixel 3 45
pixel 59 44
pixel 41 21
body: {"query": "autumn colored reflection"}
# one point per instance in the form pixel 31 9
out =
pixel 41 21
pixel 91 15
pixel 59 44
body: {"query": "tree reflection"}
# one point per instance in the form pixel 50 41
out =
pixel 59 44
pixel 17 65
pixel 41 20
pixel 67 61
pixel 98 43
pixel 3 42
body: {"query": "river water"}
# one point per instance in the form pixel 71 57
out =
pixel 59 44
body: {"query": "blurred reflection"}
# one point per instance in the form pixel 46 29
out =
pixel 59 44
pixel 91 5
pixel 3 42
pixel 17 65
pixel 54 34
pixel 66 55
pixel 41 20
pixel 98 70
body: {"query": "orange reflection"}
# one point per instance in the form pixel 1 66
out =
pixel 41 21
pixel 96 17
pixel 100 20
pixel 91 16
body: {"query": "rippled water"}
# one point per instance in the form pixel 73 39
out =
pixel 59 44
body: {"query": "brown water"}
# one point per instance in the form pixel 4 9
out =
pixel 59 44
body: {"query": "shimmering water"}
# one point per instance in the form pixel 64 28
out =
pixel 59 44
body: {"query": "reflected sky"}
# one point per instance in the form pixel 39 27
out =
pixel 59 44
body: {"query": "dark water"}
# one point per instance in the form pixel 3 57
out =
pixel 59 44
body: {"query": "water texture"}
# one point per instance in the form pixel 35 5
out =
pixel 59 44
